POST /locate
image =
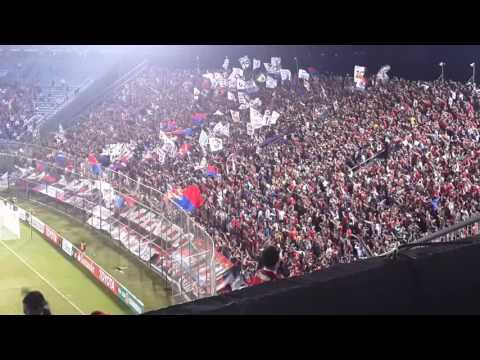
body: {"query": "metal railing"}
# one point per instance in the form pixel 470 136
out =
pixel 457 232
pixel 159 233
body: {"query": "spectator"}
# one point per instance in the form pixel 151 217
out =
pixel 35 304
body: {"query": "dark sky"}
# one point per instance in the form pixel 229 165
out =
pixel 416 62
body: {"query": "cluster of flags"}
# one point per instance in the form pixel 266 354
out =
pixel 189 199
pixel 199 118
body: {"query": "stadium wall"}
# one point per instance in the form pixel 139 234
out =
pixel 74 254
pixel 440 280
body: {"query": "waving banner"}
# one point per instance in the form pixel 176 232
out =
pixel 359 77
pixel 274 117
pixel 256 103
pixel 251 87
pixel 276 62
pixel 256 64
pixel 266 117
pixel 242 98
pixel 220 80
pixel 216 144
pixel 203 139
pixel 256 119
pixel 235 116
pixel 271 83
pixel 307 85
pixel 226 62
pixel 241 85
pixel 250 130
pixel 232 83
pixel 218 128
pixel 382 74
pixel 236 73
pixel 286 75
pixel 302 74
pixel 244 62
pixel 196 93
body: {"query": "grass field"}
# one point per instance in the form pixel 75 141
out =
pixel 30 262
pixel 147 286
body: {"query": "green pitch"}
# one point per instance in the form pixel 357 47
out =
pixel 32 263
pixel 78 287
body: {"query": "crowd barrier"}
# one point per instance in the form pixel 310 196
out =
pixel 75 254
pixel 150 226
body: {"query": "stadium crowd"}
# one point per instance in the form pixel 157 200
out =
pixel 343 174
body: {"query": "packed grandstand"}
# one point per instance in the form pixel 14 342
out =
pixel 328 169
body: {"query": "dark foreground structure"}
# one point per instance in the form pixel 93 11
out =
pixel 437 279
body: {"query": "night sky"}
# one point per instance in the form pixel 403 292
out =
pixel 415 62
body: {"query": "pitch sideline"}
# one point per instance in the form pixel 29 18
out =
pixel 42 277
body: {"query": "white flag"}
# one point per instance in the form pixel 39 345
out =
pixel 266 117
pixel 359 77
pixel 256 102
pixel 196 92
pixel 225 130
pixel 161 156
pixel 245 62
pixel 235 116
pixel 276 62
pixel 241 85
pixel 256 119
pixel 203 139
pixel 217 129
pixel 271 83
pixel 261 78
pixel 302 74
pixel 256 64
pixel 251 86
pixel 226 62
pixel 231 96
pixel 324 93
pixel 285 74
pixel 232 83
pixel 216 144
pixel 242 98
pixel 236 73
pixel 250 130
pixel 274 117
pixel 220 80
pixel 211 77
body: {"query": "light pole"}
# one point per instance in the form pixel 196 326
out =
pixel 442 75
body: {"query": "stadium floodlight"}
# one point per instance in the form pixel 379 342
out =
pixel 442 66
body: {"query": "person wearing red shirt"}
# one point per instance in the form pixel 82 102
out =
pixel 270 260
